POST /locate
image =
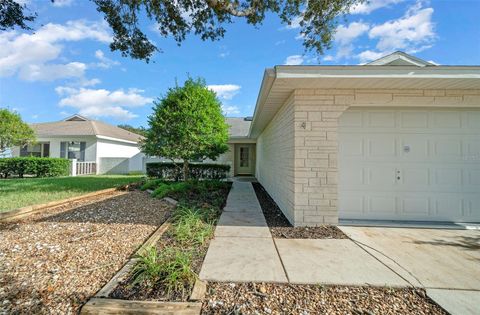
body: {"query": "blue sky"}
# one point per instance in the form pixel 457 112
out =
pixel 66 67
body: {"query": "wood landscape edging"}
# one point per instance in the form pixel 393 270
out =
pixel 29 210
pixel 101 304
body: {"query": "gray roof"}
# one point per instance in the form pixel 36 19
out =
pixel 77 125
pixel 239 127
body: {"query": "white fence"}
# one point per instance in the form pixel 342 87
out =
pixel 82 168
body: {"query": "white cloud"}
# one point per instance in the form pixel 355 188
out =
pixel 51 72
pixel 230 110
pixel 104 62
pixel 102 102
pixel 294 60
pixel 225 91
pixel 369 55
pixel 344 35
pixel 280 42
pixel 23 53
pixel 413 32
pixel 62 3
pixel 372 5
pixel 414 28
pixel 328 58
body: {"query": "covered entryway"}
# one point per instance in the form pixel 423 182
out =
pixel 244 159
pixel 409 164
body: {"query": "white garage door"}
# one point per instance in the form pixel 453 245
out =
pixel 421 165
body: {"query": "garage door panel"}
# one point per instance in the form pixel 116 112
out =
pixel 410 165
pixel 448 207
pixel 415 177
pixel 381 119
pixel 381 206
pixel 447 148
pixel 414 206
pixel 450 177
pixel 447 119
pixel 381 176
pixel 353 177
pixel 472 208
pixel 382 146
pixel 413 119
pixel 414 147
pixel 352 147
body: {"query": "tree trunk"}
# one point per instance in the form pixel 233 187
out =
pixel 185 170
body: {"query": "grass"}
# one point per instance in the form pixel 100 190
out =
pixel 21 192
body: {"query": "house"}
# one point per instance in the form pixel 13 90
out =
pixel 98 148
pixel 395 139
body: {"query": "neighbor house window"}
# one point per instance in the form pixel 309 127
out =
pixel 73 150
pixel 41 149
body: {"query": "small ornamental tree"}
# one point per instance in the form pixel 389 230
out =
pixel 13 131
pixel 187 124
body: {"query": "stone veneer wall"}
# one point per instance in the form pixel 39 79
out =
pixel 315 114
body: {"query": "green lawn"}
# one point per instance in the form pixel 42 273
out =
pixel 16 193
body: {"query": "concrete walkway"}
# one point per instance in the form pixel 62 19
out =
pixel 243 249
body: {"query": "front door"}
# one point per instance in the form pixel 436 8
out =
pixel 244 160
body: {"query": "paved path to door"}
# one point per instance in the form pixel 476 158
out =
pixel 243 249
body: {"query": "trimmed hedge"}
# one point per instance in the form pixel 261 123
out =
pixel 34 166
pixel 174 171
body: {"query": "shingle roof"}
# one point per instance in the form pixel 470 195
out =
pixel 239 127
pixel 77 127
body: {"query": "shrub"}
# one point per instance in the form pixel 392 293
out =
pixel 174 171
pixel 35 166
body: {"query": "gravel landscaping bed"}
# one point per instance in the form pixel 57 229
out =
pixel 53 261
pixel 249 298
pixel 279 225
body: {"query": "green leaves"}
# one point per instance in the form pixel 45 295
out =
pixel 187 124
pixel 13 131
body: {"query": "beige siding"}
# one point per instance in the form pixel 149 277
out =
pixel 275 154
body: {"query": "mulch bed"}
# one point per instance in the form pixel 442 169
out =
pixel 158 292
pixel 250 298
pixel 53 261
pixel 280 227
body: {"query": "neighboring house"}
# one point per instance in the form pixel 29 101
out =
pixel 98 147
pixel 396 139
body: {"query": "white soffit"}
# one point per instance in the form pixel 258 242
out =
pixel 279 83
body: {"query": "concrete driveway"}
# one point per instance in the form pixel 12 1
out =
pixel 445 262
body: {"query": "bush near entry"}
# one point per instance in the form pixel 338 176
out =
pixel 34 166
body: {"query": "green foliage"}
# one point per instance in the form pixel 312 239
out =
pixel 148 268
pixel 151 184
pixel 187 124
pixel 193 226
pixel 171 267
pixel 207 19
pixel 197 171
pixel 12 14
pixel 35 166
pixel 137 130
pixel 13 131
pixel 172 189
